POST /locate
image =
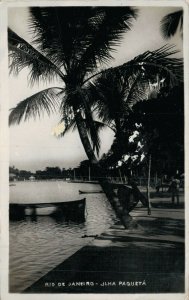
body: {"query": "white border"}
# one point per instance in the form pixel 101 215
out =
pixel 4 145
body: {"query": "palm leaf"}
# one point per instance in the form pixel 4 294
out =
pixel 22 55
pixel 112 102
pixel 67 33
pixel 110 25
pixel 138 91
pixel 151 63
pixel 44 101
pixel 131 82
pixel 71 125
pixel 106 98
pixel 78 38
pixel 170 23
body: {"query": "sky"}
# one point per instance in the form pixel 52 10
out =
pixel 32 144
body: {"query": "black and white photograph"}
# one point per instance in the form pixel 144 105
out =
pixel 97 168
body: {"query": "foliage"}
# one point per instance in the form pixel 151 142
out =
pixel 170 24
pixel 162 130
pixel 71 44
pixel 19 174
pixel 160 126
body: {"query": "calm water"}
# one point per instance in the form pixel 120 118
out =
pixel 38 246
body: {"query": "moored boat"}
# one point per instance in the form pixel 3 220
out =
pixel 71 210
pixel 83 181
pixel 90 192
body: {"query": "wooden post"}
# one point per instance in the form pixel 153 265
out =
pixel 89 173
pixel 148 186
pixel 156 179
pixel 120 175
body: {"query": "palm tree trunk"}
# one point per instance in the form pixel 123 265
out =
pixel 106 185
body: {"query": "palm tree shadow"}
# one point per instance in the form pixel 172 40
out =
pixel 167 205
pixel 165 227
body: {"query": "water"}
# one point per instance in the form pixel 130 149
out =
pixel 38 246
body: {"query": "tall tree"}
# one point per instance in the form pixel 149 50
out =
pixel 159 124
pixel 71 43
pixel 114 104
pixel 162 130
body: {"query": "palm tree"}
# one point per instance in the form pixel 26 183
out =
pixel 170 23
pixel 113 103
pixel 70 44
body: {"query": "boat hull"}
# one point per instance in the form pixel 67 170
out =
pixel 90 192
pixel 73 210
pixel 40 211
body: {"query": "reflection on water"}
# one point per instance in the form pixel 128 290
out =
pixel 37 245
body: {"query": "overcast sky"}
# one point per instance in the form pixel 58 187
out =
pixel 32 145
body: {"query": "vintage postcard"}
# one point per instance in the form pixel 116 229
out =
pixel 94 164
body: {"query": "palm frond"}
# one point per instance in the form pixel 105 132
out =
pixel 78 38
pixel 47 101
pixel 132 82
pixel 71 125
pixel 138 91
pixel 160 61
pixel 106 98
pixel 150 63
pixel 170 23
pixel 22 55
pixel 109 24
pixel 112 102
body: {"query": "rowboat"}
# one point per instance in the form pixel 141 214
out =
pixel 90 192
pixel 71 210
pixel 83 181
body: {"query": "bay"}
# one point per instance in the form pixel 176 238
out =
pixel 38 246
